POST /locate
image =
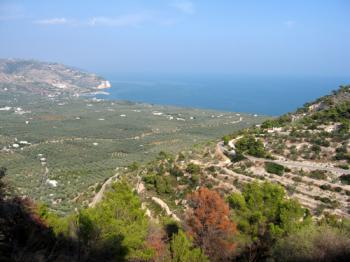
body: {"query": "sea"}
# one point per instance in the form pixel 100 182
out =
pixel 267 95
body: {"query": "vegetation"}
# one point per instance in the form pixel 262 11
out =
pixel 112 224
pixel 84 141
pixel 210 225
pixel 314 243
pixel 274 168
pixel 193 168
pixel 182 250
pixel 258 222
pixel 269 226
pixel 345 179
pixel 279 122
pixel 318 174
pixel 250 145
pixel 263 215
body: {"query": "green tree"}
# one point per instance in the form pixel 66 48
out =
pixel 182 250
pixel 263 214
pixel 117 224
pixel 226 139
pixel 250 145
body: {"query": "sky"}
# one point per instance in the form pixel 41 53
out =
pixel 236 37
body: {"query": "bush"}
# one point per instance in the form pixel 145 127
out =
pixel 343 166
pixel 134 166
pixel 338 189
pixel 181 157
pixel 287 169
pixel 345 179
pixel 226 139
pixel 276 122
pixel 325 187
pixel 182 250
pixel 318 174
pixel 313 243
pixel 175 171
pixel 238 157
pixel 194 180
pixel 193 168
pixel 161 184
pixel 297 179
pixel 274 168
pixel 250 145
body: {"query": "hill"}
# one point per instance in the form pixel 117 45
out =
pixel 30 76
pixel 306 152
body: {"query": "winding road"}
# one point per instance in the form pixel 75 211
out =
pixel 285 162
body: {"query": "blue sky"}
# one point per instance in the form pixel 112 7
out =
pixel 289 37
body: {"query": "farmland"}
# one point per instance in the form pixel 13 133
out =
pixel 59 150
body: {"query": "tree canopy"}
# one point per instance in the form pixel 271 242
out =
pixel 210 225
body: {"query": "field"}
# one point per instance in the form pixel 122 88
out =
pixel 60 150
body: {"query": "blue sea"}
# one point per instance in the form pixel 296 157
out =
pixel 260 94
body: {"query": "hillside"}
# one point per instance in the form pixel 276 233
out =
pixel 306 152
pixel 34 77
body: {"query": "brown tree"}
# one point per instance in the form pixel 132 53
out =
pixel 209 224
pixel 156 241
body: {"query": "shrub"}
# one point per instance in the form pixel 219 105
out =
pixel 134 166
pixel 226 139
pixel 343 166
pixel 194 180
pixel 313 243
pixel 250 145
pixel 297 179
pixel 287 169
pixel 238 157
pixel 161 184
pixel 274 168
pixel 211 169
pixel 345 179
pixel 318 174
pixel 325 187
pixel 181 157
pixel 193 168
pixel 175 171
pixel 338 189
pixel 182 250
